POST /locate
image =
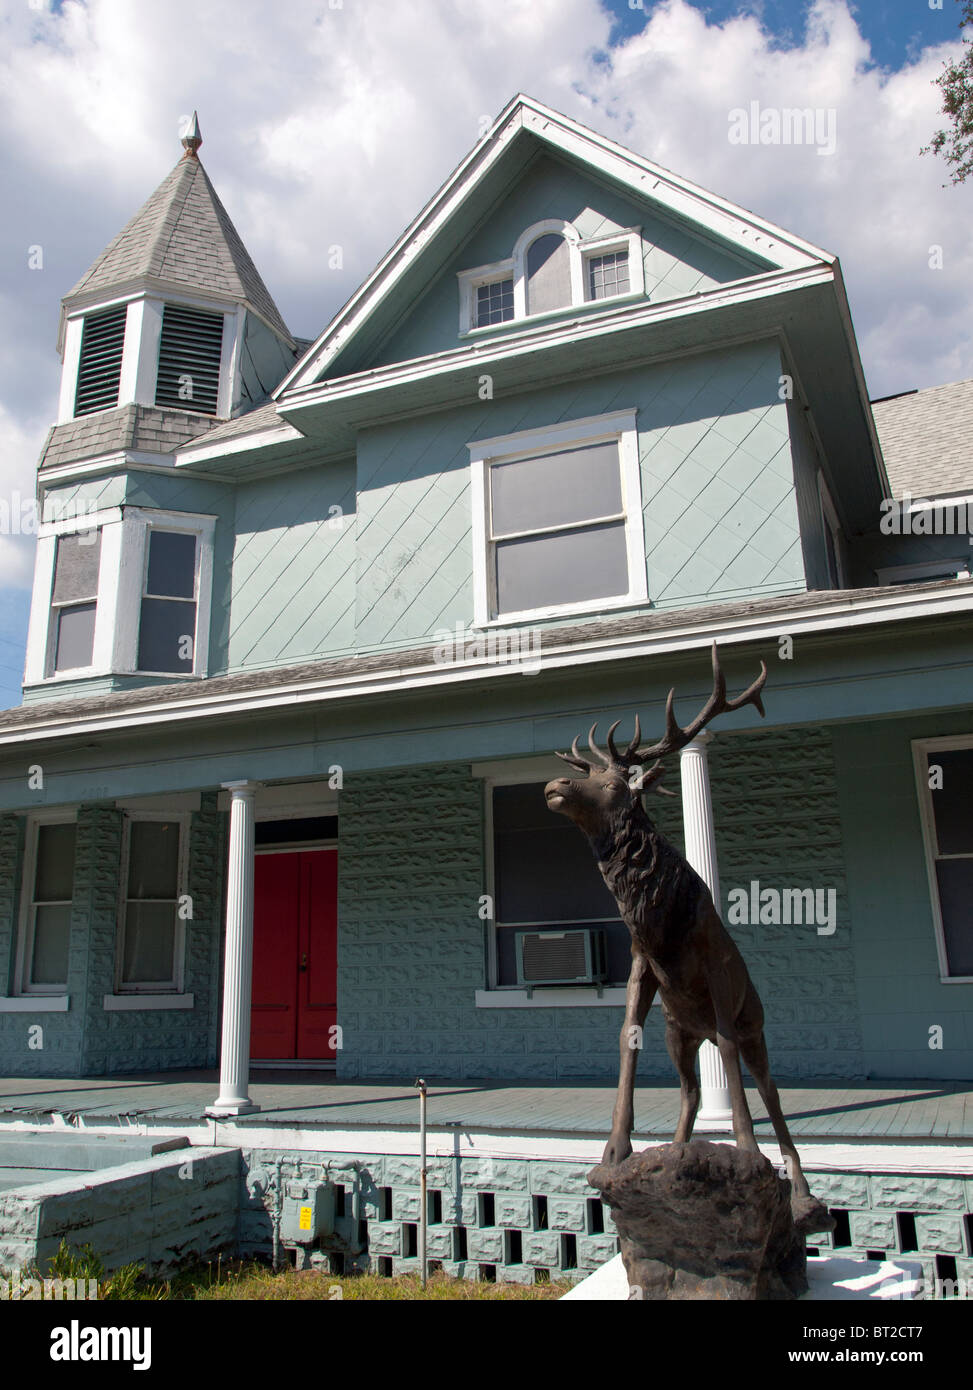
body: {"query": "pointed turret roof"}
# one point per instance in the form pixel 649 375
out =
pixel 183 236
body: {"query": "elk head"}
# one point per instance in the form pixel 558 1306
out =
pixel 614 781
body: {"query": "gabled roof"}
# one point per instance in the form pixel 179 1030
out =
pixel 927 440
pixel 183 236
pixel 522 129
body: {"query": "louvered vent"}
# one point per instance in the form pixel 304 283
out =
pixel 189 359
pixel 100 367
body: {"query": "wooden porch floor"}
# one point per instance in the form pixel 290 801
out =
pixel 890 1112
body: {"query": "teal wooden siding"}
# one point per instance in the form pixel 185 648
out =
pixel 677 261
pixel 293 569
pixel 720 514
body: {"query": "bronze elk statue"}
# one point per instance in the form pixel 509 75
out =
pixel 680 946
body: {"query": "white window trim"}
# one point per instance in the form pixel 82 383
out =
pixel 25 934
pixel 921 747
pixel 515 266
pixel 830 521
pixel 140 352
pixel 484 453
pixel 153 988
pixel 497 996
pixel 957 567
pixel 124 545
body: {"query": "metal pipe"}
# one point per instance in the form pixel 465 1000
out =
pixel 423 1213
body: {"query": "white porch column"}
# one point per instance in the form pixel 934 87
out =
pixel 697 811
pixel 233 1098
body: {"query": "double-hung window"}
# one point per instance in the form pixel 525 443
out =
pixel 167 617
pixel 944 773
pixel 557 520
pixel 74 600
pixel 151 922
pixel 48 887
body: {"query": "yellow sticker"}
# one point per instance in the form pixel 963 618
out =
pixel 305 1219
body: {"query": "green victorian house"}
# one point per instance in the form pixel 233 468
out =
pixel 310 621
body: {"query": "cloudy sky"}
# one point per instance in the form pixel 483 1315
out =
pixel 333 121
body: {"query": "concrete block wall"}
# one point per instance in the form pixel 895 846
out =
pixel 523 1220
pixel 88 1039
pixel 161 1212
pixel 411 947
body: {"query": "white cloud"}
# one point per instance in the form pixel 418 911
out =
pixel 330 125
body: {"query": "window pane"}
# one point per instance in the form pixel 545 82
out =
pixel 49 960
pixel 544 869
pixel 76 566
pixel 608 275
pixel 548 274
pixel 75 637
pixel 953 803
pixel 164 627
pixel 54 878
pixel 172 564
pixel 150 939
pixel 494 303
pixel 565 568
pixel 153 859
pixel 555 489
pixel 956 903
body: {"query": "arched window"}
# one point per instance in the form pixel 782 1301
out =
pixel 548 269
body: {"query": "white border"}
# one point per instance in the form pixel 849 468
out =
pixel 619 425
pixel 920 748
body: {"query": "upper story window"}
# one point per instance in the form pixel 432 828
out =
pixel 944 773
pixel 190 352
pixel 551 268
pixel 100 360
pixel 74 601
pixel 123 591
pixel 557 520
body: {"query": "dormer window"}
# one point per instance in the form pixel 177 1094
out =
pixel 551 268
pixel 100 361
pixel 190 352
pixel 494 302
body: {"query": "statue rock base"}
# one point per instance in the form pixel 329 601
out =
pixel 704 1221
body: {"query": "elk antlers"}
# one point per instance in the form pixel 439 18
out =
pixel 675 737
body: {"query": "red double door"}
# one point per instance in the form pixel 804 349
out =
pixel 295 956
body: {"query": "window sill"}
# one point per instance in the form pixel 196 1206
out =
pixel 553 996
pixel 117 1003
pixel 584 306
pixel 583 609
pixel 35 1003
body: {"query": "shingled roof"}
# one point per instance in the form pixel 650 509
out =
pixel 927 440
pixel 183 234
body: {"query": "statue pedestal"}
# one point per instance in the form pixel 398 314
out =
pixel 704 1221
pixel 831 1279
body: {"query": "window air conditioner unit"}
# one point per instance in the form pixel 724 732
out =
pixel 573 956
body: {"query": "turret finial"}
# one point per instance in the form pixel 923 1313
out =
pixel 191 138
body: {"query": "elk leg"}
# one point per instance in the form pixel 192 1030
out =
pixel 683 1049
pixel 639 994
pixel 726 1041
pixel 755 1055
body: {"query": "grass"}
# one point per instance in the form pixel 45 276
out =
pixel 251 1281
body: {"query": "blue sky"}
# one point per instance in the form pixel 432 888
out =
pixel 335 122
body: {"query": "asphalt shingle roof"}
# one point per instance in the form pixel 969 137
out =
pixel 927 440
pixel 183 234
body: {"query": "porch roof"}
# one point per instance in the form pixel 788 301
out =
pixel 663 630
